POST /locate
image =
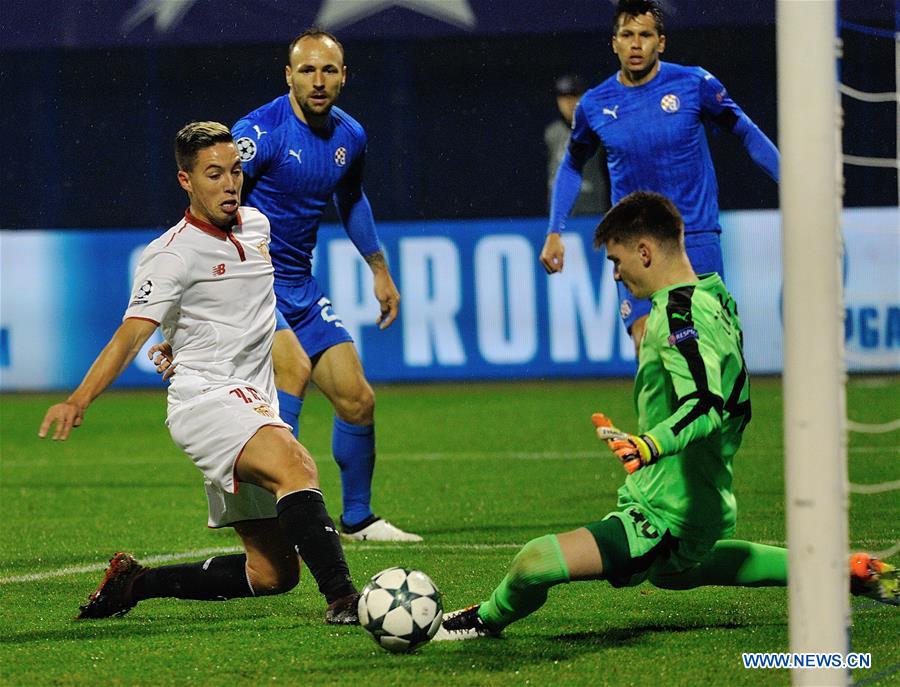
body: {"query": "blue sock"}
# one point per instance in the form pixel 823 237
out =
pixel 289 409
pixel 353 447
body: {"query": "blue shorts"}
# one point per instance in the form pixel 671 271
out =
pixel 304 308
pixel 705 253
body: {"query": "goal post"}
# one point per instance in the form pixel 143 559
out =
pixel 814 375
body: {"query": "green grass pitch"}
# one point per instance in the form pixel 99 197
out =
pixel 478 469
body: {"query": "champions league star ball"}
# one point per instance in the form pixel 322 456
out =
pixel 401 609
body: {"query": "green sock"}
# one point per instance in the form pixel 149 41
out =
pixel 733 563
pixel 536 568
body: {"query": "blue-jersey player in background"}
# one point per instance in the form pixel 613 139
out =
pixel 300 153
pixel 650 118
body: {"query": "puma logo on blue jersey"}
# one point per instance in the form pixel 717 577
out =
pixel 296 154
pixel 614 113
pixel 259 132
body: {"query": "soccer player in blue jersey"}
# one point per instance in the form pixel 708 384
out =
pixel 299 153
pixel 650 119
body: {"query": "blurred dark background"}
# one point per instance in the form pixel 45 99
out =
pixel 454 121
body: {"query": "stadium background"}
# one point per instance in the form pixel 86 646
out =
pixel 454 101
pixel 455 115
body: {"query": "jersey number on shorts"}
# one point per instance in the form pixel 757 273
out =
pixel 247 394
pixel 327 313
pixel 647 530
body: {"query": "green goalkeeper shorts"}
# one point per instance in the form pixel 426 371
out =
pixel 635 544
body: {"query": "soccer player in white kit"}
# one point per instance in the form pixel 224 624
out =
pixel 207 283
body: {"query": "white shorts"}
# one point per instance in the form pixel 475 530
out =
pixel 212 429
pixel 250 503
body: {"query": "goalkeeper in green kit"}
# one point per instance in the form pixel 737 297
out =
pixel 676 509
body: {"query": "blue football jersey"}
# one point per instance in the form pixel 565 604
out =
pixel 291 173
pixel 655 140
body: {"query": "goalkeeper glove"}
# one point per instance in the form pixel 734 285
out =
pixel 634 451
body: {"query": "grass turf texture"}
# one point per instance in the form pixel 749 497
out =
pixel 478 469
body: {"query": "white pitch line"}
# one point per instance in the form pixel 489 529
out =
pixel 879 488
pixel 92 567
pixel 200 553
pixel 350 546
pixel 870 428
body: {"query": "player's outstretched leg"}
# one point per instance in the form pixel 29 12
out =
pixel 874 579
pixel 736 563
pixel 115 594
pixel 731 563
pixel 537 567
pixel 126 582
pixel 464 624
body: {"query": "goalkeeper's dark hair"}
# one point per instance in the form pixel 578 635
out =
pixel 317 33
pixel 635 8
pixel 641 214
pixel 196 136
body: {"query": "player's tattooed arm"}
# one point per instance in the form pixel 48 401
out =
pixel 385 290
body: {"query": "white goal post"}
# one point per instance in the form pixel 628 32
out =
pixel 814 375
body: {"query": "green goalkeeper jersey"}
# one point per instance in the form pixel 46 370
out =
pixel 693 397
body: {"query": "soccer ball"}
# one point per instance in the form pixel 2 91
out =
pixel 401 609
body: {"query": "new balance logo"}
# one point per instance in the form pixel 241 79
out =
pixel 259 132
pixel 614 113
pixel 296 154
pixel 219 270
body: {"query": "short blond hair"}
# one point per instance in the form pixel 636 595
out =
pixel 196 136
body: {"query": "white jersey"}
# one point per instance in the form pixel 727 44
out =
pixel 211 293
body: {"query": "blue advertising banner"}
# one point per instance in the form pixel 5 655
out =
pixel 751 241
pixel 475 302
